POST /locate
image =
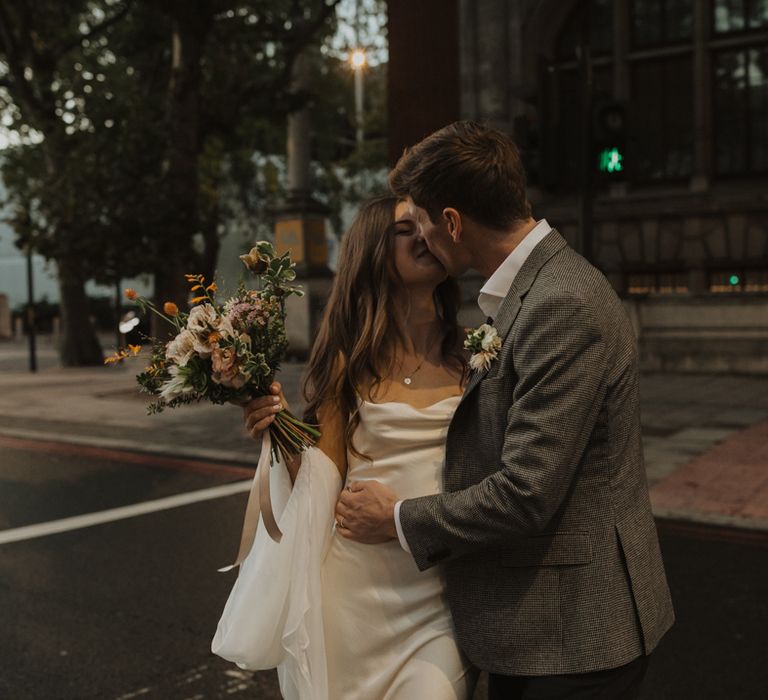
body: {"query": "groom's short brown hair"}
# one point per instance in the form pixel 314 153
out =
pixel 470 167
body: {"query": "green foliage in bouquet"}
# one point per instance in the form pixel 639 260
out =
pixel 226 353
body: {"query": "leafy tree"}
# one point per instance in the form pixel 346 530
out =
pixel 135 113
pixel 60 81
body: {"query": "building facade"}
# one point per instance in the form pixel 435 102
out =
pixel 677 216
pixel 681 229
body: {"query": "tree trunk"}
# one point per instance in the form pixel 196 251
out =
pixel 208 258
pixel 175 253
pixel 79 345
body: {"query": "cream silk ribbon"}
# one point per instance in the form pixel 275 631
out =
pixel 259 504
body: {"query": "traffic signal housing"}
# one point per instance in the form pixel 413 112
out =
pixel 609 140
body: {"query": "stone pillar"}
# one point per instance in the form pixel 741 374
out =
pixel 300 230
pixel 695 253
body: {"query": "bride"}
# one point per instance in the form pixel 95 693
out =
pixel 339 619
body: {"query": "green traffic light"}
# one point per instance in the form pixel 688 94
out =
pixel 611 160
pixel 734 280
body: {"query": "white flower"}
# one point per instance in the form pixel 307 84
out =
pixel 175 386
pixel 202 344
pixel 223 325
pixel 181 348
pixel 201 318
pixel 491 340
pixel 485 343
pixel 208 327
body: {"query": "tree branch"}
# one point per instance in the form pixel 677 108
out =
pixel 300 41
pixel 18 87
pixel 7 42
pixel 95 31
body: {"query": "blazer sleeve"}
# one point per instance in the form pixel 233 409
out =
pixel 560 359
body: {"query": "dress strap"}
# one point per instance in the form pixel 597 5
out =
pixel 259 504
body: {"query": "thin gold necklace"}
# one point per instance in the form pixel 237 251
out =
pixel 409 377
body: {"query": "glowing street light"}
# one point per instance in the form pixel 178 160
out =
pixel 358 59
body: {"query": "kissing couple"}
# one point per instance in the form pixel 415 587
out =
pixel 471 505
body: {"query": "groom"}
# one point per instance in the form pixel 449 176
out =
pixel 544 530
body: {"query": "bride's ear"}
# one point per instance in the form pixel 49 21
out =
pixel 453 223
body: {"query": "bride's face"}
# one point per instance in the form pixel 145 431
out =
pixel 415 264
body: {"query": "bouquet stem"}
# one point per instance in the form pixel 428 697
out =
pixel 290 436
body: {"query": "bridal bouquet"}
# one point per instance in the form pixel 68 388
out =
pixel 226 352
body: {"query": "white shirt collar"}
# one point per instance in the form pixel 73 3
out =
pixel 499 283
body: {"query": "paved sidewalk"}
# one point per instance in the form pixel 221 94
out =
pixel 705 436
pixel 726 484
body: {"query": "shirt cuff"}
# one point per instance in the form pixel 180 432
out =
pixel 399 528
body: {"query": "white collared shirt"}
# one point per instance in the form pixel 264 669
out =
pixel 499 283
pixel 491 296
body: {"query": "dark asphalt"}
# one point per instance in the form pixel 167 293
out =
pixel 718 649
pixel 127 609
pixel 119 610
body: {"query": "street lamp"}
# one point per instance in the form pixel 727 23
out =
pixel 358 60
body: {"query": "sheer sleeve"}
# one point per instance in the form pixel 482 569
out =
pixel 273 616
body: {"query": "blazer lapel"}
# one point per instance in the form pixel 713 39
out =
pixel 510 307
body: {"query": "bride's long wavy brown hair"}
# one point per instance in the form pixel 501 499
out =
pixel 359 337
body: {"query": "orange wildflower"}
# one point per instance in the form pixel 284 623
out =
pixel 197 300
pixel 135 349
pixel 131 294
pixel 170 308
pixel 211 287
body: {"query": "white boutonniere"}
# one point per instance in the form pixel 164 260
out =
pixel 484 342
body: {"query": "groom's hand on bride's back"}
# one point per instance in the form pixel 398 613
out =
pixel 365 512
pixel 259 413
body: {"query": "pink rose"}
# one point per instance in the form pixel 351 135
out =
pixel 226 369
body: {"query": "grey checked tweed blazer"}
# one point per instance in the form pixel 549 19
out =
pixel 545 530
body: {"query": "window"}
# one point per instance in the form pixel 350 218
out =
pixel 593 19
pixel 664 84
pixel 735 279
pixel 567 158
pixel 740 15
pixel 656 282
pixel 658 22
pixel 661 119
pixel 756 281
pixel 741 111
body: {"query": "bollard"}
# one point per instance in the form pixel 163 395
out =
pixel 5 318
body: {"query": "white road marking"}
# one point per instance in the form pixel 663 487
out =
pixel 53 527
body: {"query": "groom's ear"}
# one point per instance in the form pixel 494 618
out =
pixel 453 223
